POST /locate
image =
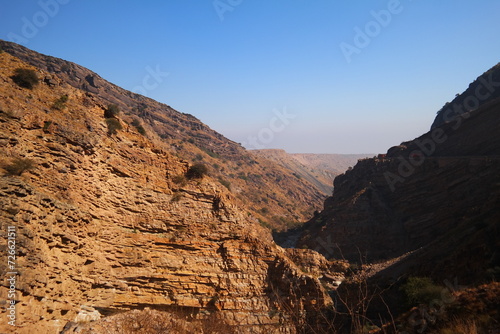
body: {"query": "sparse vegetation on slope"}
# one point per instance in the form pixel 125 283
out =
pixel 26 78
pixel 197 171
pixel 110 219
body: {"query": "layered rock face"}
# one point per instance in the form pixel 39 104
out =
pixel 438 194
pixel 103 227
pixel 254 179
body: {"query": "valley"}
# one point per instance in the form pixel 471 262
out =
pixel 133 217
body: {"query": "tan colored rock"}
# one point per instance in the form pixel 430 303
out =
pixel 101 223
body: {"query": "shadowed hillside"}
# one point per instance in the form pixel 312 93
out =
pixel 437 194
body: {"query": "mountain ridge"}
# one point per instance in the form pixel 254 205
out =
pixel 318 169
pixel 245 174
pixel 104 227
pixel 422 194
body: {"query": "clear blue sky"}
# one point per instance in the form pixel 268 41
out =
pixel 235 63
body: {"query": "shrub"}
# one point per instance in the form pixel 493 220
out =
pixel 46 126
pixel 264 211
pixel 65 68
pixel 180 180
pixel 60 103
pixel 113 126
pixel 197 171
pixel 226 184
pixel 112 111
pixel 421 290
pixel 19 166
pixel 137 124
pixel 25 78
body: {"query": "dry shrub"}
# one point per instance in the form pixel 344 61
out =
pixel 197 171
pixel 113 126
pixel 25 78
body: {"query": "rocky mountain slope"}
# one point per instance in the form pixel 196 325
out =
pixel 482 90
pixel 436 196
pixel 318 169
pixel 107 223
pixel 252 179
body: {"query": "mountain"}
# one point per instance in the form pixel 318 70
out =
pixel 482 90
pixel 435 198
pixel 253 180
pixel 122 215
pixel 317 169
pixel 107 220
pixel 421 220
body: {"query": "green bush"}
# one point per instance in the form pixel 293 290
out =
pixel 25 78
pixel 421 290
pixel 19 166
pixel 113 126
pixel 197 171
pixel 60 103
pixel 112 111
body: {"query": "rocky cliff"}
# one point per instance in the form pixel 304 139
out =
pixel 437 196
pixel 103 227
pixel 252 179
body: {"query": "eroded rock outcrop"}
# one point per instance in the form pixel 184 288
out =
pixel 104 227
pixel 256 179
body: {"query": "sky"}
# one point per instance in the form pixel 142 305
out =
pixel 322 76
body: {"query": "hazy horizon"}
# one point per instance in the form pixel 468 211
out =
pixel 329 78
